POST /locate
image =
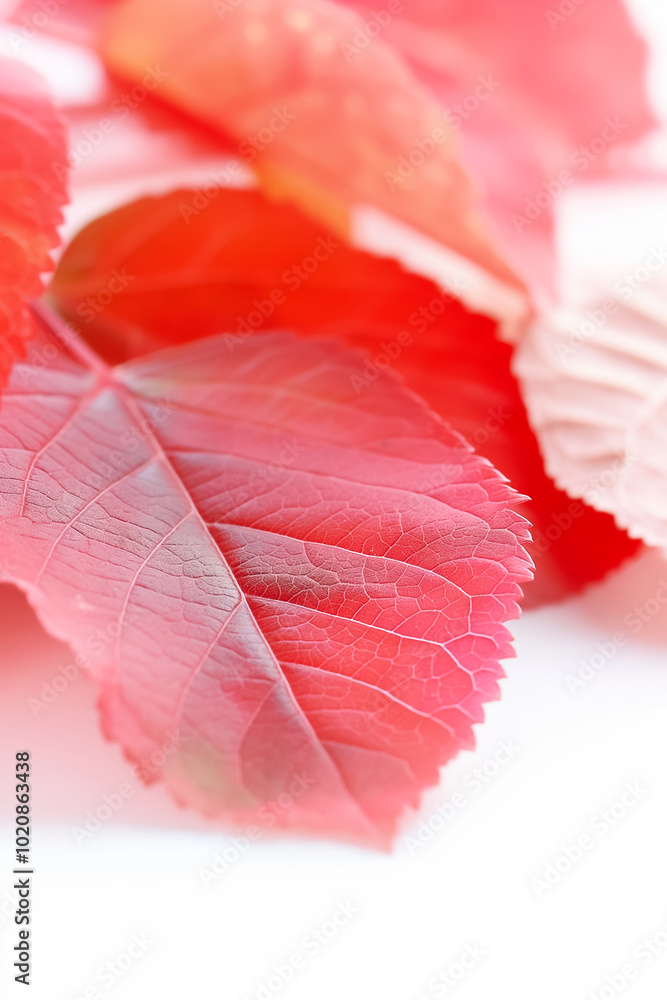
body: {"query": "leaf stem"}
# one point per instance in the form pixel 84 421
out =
pixel 69 339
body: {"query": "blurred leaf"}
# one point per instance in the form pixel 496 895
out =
pixel 31 198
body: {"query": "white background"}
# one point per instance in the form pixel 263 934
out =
pixel 472 884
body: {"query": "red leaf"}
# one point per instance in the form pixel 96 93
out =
pixel 291 578
pixel 31 198
pixel 239 258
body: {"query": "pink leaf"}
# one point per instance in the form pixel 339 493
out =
pixel 597 399
pixel 542 96
pixel 561 69
pixel 291 579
